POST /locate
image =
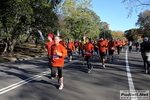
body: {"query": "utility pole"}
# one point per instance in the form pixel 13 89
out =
pixel 107 27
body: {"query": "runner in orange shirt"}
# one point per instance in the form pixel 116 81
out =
pixel 80 47
pixel 58 53
pixel 70 48
pixel 82 43
pixel 123 45
pixel 88 49
pixel 111 48
pixel 62 42
pixel 48 48
pixel 106 47
pixel 119 46
pixel 76 44
pixel 102 50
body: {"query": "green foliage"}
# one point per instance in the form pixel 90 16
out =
pixel 118 34
pixel 19 16
pixel 79 19
pixel 4 35
pixel 106 34
pixel 132 34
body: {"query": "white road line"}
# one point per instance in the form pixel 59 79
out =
pixel 18 84
pixel 130 81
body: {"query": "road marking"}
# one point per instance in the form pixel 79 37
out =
pixel 18 84
pixel 130 81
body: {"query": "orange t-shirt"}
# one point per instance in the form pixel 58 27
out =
pixel 88 48
pixel 111 45
pixel 126 42
pixel 123 42
pixel 106 44
pixel 102 46
pixel 119 43
pixel 58 61
pixel 48 47
pixel 70 46
pixel 62 43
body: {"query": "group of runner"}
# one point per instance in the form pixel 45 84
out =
pixel 58 49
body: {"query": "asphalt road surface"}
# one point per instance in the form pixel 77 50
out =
pixel 30 80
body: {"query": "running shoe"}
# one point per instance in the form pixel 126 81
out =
pixel 91 67
pixel 89 70
pixel 52 78
pixel 103 66
pixel 61 86
pixel 146 71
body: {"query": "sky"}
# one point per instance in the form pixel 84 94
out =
pixel 115 14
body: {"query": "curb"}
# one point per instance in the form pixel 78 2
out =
pixel 24 59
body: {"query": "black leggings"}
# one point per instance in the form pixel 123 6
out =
pixel 130 48
pixel 88 58
pixel 118 50
pixel 54 69
pixel 50 62
pixel 69 54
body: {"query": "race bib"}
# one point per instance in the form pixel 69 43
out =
pixel 112 48
pixel 55 57
pixel 87 52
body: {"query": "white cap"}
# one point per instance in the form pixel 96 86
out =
pixel 145 39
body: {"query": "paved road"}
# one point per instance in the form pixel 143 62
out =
pixel 30 80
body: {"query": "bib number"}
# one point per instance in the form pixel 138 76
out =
pixel 55 57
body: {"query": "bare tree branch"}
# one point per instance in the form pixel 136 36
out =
pixel 146 4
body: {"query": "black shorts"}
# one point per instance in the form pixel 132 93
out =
pixel 111 52
pixel 102 55
pixel 82 53
pixel 70 53
pixel 54 71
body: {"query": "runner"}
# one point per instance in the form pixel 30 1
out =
pixel 102 50
pixel 145 53
pixel 106 47
pixel 70 48
pixel 111 48
pixel 48 48
pixel 58 53
pixel 62 42
pixel 80 47
pixel 123 45
pixel 88 49
pixel 95 46
pixel 76 44
pixel 126 44
pixel 92 42
pixel 130 46
pixel 119 46
pixel 82 43
pixel 137 46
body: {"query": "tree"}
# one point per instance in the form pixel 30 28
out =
pixel 133 34
pixel 79 20
pixel 19 16
pixel 118 34
pixel 144 23
pixel 106 34
pixel 136 5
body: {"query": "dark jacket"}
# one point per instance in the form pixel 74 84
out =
pixel 145 47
